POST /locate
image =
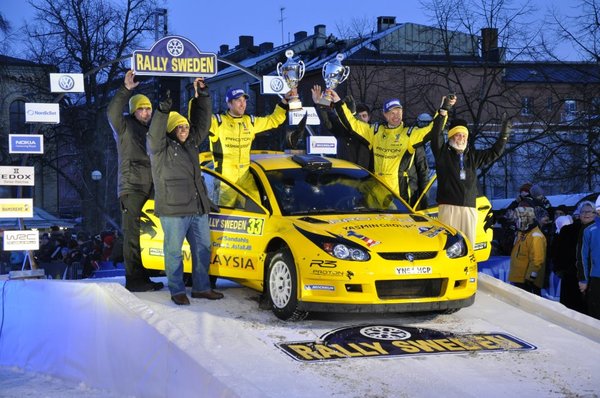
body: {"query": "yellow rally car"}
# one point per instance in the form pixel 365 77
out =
pixel 323 234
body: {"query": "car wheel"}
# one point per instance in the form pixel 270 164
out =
pixel 283 287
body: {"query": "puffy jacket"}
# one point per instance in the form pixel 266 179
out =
pixel 388 144
pixel 134 173
pixel 451 189
pixel 590 252
pixel 528 257
pixel 179 187
pixel 231 139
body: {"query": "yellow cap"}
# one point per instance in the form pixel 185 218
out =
pixel 175 119
pixel 457 129
pixel 138 101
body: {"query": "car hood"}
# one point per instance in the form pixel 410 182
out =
pixel 378 232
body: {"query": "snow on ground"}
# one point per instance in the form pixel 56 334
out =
pixel 236 343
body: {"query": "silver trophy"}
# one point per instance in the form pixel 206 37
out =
pixel 292 72
pixel 334 74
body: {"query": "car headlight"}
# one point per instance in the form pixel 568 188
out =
pixel 456 246
pixel 346 252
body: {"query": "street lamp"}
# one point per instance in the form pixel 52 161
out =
pixel 96 177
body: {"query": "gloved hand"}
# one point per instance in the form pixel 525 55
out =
pixel 448 102
pixel 350 103
pixel 165 105
pixel 506 128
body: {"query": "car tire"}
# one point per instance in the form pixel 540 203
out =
pixel 282 282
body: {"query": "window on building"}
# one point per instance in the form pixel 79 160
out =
pixel 569 111
pixel 595 108
pixel 527 106
pixel 17 118
pixel 549 104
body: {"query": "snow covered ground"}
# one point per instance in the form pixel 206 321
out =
pixel 95 339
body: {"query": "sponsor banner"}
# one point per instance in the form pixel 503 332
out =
pixel 174 56
pixel 321 145
pixel 22 207
pixel 21 240
pixel 236 224
pixel 274 85
pixel 13 175
pixel 312 118
pixel 41 113
pixel 398 341
pixel 25 143
pixel 66 83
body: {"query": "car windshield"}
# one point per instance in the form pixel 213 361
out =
pixel 332 191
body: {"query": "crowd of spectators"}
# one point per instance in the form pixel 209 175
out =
pixel 58 247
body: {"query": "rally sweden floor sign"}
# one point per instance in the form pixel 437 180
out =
pixel 393 341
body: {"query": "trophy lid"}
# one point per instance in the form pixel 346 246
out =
pixel 289 53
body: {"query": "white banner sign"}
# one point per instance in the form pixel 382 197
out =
pixel 321 144
pixel 274 85
pixel 22 207
pixel 21 240
pixel 13 175
pixel 41 113
pixel 66 83
pixel 312 118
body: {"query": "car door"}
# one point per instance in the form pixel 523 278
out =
pixel 484 233
pixel 237 231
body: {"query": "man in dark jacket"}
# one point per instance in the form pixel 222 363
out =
pixel 134 184
pixel 181 200
pixel 456 166
pixel 350 147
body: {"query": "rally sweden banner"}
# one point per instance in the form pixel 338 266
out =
pixel 174 56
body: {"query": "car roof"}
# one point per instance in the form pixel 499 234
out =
pixel 276 160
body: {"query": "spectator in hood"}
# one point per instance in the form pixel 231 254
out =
pixel 528 256
pixel 589 270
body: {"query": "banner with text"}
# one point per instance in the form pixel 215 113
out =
pixel 174 56
pixel 16 207
pixel 21 240
pixel 13 175
pixel 41 113
pixel 25 143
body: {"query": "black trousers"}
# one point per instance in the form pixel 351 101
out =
pixel 131 210
pixel 592 295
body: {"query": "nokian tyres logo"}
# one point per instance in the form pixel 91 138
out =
pixel 370 341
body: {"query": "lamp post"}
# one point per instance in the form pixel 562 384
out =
pixel 96 177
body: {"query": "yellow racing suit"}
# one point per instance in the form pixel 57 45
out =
pixel 388 144
pixel 231 140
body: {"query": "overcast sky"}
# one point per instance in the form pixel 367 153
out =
pixel 212 23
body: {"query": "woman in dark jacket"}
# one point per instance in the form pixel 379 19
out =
pixel 181 201
pixel 565 259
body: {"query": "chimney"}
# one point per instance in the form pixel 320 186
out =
pixel 489 44
pixel 320 30
pixel 224 48
pixel 385 22
pixel 246 41
pixel 265 47
pixel 300 35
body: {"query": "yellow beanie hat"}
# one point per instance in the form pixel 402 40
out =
pixel 175 119
pixel 458 129
pixel 138 101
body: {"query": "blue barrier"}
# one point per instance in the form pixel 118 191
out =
pixel 499 266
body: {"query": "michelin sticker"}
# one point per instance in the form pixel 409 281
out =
pixel 378 341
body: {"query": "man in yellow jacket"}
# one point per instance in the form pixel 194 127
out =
pixel 390 141
pixel 231 136
pixel 528 256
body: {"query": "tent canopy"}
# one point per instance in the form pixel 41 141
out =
pixel 41 220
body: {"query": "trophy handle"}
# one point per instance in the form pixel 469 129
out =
pixel 346 74
pixel 279 68
pixel 300 70
pixel 323 69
